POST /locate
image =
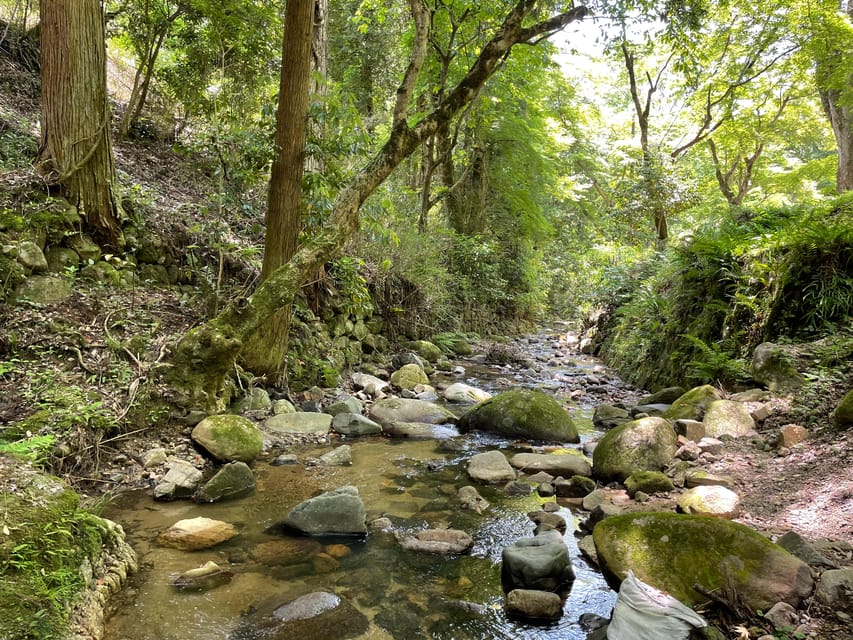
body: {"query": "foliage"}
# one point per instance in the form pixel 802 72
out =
pixel 755 276
pixel 45 538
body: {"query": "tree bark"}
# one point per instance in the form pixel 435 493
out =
pixel 76 141
pixel 266 349
pixel 206 355
pixel 838 111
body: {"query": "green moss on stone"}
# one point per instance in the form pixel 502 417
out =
pixel 229 437
pixel 522 413
pixel 647 444
pixel 673 552
pixel 692 405
pixel 648 482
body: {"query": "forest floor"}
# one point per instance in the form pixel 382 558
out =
pixel 809 490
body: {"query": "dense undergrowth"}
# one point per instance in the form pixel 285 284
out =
pixel 694 313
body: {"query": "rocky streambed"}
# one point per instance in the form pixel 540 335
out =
pixel 428 526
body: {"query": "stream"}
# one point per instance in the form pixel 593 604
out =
pixel 413 483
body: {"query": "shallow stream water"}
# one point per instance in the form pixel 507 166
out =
pixel 403 594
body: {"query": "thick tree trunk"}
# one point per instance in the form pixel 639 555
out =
pixel 266 350
pixel 207 354
pixel 840 118
pixel 838 111
pixel 76 142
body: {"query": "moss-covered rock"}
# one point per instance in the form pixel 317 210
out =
pixel 86 248
pixel 61 258
pixel 425 349
pixel 773 367
pixel 843 413
pixel 44 290
pixel 229 437
pixel 409 376
pixel 521 413
pixel 673 552
pixel 692 405
pixel 648 482
pixel 647 444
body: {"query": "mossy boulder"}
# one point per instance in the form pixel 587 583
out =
pixel 647 444
pixel 773 367
pixel 727 417
pixel 843 414
pixel 61 258
pixel 521 413
pixel 692 405
pixel 673 552
pixel 648 482
pixel 409 376
pixel 426 350
pixel 229 437
pixel 44 290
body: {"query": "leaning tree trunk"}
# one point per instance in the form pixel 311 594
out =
pixel 207 354
pixel 266 350
pixel 76 142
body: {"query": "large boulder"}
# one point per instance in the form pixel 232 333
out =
pixel 692 405
pixel 673 552
pixel 426 350
pixel 726 417
pixel 843 413
pixel 409 376
pixel 647 444
pixel 521 413
pixel 490 466
pixel 571 463
pixel 540 563
pixel 773 367
pixel 228 437
pixel 390 410
pixel 340 511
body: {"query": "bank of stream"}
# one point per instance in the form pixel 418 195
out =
pixel 412 483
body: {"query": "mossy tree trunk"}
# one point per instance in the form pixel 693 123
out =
pixel 76 141
pixel 265 349
pixel 207 354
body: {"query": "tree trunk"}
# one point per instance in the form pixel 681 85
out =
pixel 832 91
pixel 76 142
pixel 840 118
pixel 266 349
pixel 206 355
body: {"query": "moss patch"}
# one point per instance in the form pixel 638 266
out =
pixel 45 537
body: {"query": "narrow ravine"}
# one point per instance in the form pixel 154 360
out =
pixel 411 483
